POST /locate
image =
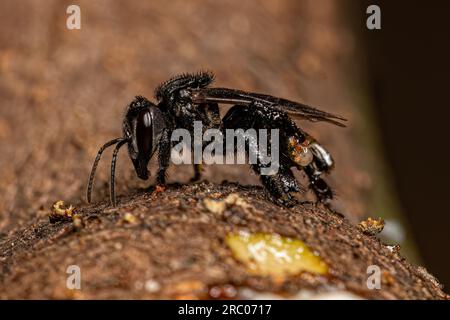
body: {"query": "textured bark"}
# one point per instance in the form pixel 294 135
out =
pixel 169 245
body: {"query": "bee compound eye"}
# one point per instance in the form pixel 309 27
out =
pixel 144 133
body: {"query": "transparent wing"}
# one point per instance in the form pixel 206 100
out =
pixel 239 97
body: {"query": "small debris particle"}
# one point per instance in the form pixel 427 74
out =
pixel 159 189
pixel 226 291
pixel 188 289
pixel 371 226
pixel 387 278
pixel 129 218
pixel 77 222
pixel 214 206
pixel 219 206
pixel 215 195
pixel 152 286
pixel 394 249
pixel 60 212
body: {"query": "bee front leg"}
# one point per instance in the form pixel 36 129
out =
pixel 163 158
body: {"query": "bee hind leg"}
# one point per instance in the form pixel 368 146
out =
pixel 280 186
pixel 320 188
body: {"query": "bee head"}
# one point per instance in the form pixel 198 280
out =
pixel 143 125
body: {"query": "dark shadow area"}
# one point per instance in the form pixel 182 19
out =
pixel 408 66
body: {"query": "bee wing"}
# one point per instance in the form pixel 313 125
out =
pixel 239 97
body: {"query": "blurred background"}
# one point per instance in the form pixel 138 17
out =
pixel 63 93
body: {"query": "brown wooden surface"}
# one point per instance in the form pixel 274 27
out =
pixel 63 92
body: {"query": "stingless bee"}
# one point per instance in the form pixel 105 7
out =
pixel 187 98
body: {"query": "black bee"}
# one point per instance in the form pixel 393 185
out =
pixel 188 98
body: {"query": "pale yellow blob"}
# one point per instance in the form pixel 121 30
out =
pixel 273 255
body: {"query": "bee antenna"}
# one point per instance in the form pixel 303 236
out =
pixel 94 166
pixel 113 170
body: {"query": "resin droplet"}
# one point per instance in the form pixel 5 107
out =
pixel 271 254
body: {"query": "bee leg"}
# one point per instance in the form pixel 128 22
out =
pixel 198 169
pixel 321 189
pixel 210 115
pixel 280 186
pixel 163 158
pixel 282 183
